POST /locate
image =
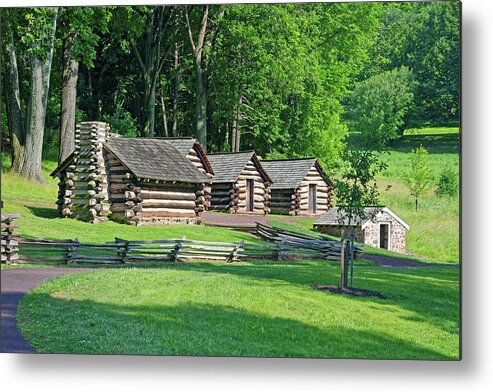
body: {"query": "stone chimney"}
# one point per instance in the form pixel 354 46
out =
pixel 86 184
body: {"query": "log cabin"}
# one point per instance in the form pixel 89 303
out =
pixel 299 186
pixel 139 181
pixel 240 184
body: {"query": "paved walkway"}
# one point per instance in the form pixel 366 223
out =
pixel 392 262
pixel 241 219
pixel 15 283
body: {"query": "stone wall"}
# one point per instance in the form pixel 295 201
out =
pixel 397 233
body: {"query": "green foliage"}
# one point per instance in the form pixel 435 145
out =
pixel 35 30
pixel 122 122
pixel 448 183
pixel 379 104
pixel 270 65
pixel 355 186
pixel 419 177
pixel 245 309
pixel 423 36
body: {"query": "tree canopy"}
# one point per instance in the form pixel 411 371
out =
pixel 287 80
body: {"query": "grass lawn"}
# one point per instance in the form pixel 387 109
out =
pixel 246 309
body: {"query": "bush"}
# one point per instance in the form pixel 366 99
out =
pixel 448 183
pixel 379 104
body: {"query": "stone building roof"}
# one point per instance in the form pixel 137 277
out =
pixel 288 173
pixel 228 166
pixel 332 217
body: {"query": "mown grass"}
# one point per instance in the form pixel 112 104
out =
pixel 245 309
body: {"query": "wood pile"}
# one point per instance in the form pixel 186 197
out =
pixel 9 238
pixel 83 186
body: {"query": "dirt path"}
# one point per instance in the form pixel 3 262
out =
pixel 15 283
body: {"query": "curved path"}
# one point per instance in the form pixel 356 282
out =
pixel 15 283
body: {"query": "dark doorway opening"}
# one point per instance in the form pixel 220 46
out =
pixel 312 199
pixel 250 189
pixel 384 236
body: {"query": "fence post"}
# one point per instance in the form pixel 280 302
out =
pixel 178 246
pixel 236 252
pixel 72 251
pixel 9 244
pixel 280 248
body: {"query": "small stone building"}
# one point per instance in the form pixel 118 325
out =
pixel 299 186
pixel 240 183
pixel 139 181
pixel 386 230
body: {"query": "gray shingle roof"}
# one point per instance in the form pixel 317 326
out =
pixel 155 159
pixel 182 144
pixel 288 173
pixel 227 167
pixel 332 217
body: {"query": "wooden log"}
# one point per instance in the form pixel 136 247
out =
pixel 166 213
pixel 243 177
pixel 167 203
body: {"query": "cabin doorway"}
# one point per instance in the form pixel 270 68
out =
pixel 384 235
pixel 312 199
pixel 250 189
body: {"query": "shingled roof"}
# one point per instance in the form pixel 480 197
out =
pixel 155 159
pixel 288 173
pixel 332 217
pixel 185 144
pixel 228 166
pixel 182 144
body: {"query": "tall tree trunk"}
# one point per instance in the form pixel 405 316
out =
pixel 201 93
pixel 176 89
pixel 237 126
pixel 68 101
pixel 201 105
pixel 163 111
pixel 14 112
pixel 40 82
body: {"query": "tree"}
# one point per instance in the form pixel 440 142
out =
pixel 379 104
pixel 78 28
pixel 355 188
pixel 419 178
pixel 425 37
pixel 32 31
pixel 448 182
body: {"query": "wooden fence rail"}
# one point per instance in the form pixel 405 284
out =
pixel 282 244
pixel 9 238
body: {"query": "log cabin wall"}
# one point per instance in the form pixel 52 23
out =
pixel 124 194
pixel 282 201
pixel 205 190
pixel 83 186
pixel 223 197
pixel 301 195
pixel 168 203
pixel 261 191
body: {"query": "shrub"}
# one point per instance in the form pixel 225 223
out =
pixel 448 183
